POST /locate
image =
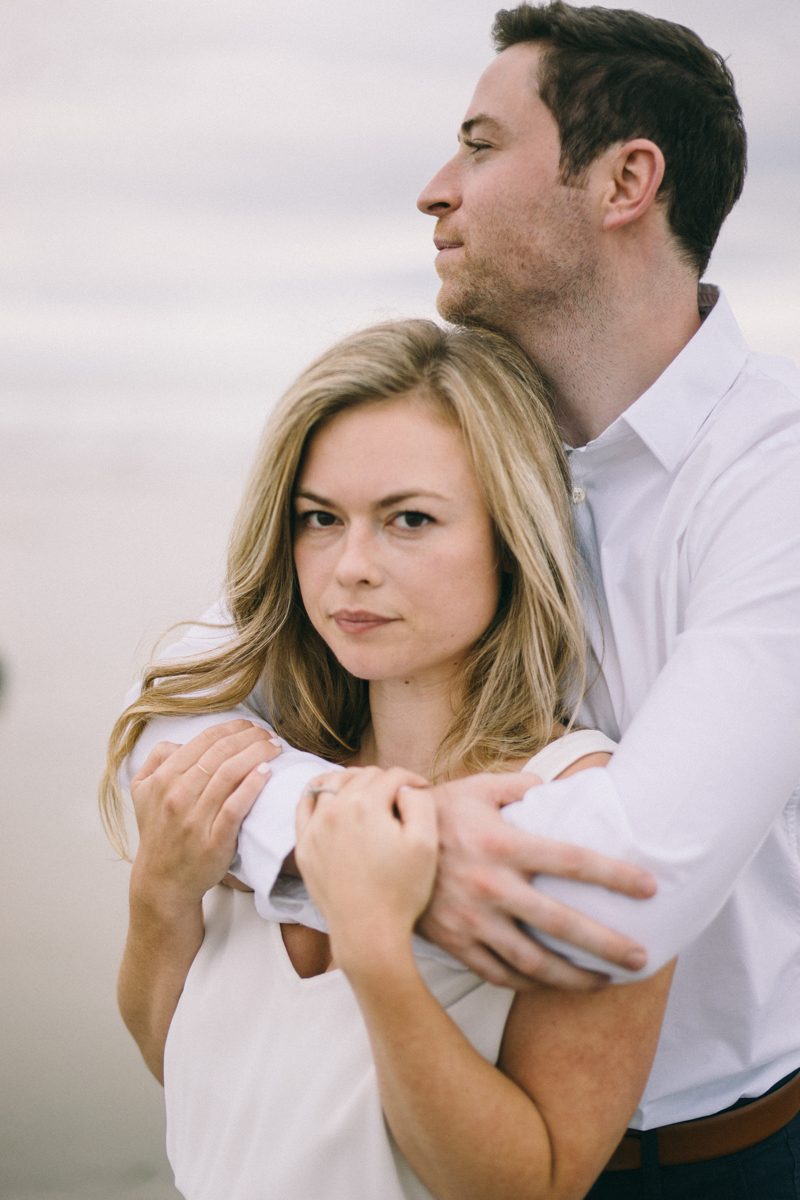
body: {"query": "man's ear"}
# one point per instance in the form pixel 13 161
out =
pixel 634 174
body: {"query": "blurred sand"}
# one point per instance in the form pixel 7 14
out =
pixel 103 542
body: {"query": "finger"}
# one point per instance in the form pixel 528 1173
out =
pixel 404 778
pixel 519 953
pixel 197 746
pixel 220 768
pixel 546 857
pixel 528 779
pixel 230 881
pixel 545 915
pixel 481 960
pixel 229 775
pixel 304 813
pixel 506 788
pixel 418 813
pixel 224 748
pixel 158 755
pixel 237 805
pixel 332 780
pixel 375 787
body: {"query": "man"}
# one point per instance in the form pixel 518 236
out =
pixel 599 156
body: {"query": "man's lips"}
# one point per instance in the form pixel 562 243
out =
pixel 443 245
pixel 351 620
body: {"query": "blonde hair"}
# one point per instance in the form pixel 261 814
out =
pixel 526 670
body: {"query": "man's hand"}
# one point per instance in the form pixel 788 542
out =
pixel 483 889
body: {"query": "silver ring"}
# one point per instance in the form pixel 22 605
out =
pixel 317 791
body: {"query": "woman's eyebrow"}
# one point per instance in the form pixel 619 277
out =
pixel 385 502
pixel 315 498
pixel 399 497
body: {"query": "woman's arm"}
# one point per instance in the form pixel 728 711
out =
pixel 190 802
pixel 572 1067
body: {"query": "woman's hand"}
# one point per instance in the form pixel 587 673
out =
pixel 367 848
pixel 190 802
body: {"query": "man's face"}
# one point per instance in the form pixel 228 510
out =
pixel 514 243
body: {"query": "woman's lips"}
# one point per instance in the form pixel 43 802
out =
pixel 358 621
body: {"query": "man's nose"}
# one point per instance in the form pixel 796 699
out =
pixel 442 194
pixel 358 561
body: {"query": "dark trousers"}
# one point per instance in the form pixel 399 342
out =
pixel 770 1170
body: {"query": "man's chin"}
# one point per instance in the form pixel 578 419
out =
pixel 458 306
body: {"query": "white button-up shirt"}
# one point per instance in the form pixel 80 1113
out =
pixel 688 507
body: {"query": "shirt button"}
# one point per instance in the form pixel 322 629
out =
pixel 578 495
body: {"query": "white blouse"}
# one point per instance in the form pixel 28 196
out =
pixel 270 1087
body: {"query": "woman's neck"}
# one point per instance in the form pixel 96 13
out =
pixel 409 721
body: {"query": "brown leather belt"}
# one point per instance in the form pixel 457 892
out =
pixel 714 1137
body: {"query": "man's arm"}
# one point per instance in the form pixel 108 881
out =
pixel 710 760
pixel 267 837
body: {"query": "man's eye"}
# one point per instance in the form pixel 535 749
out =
pixel 317 519
pixel 412 520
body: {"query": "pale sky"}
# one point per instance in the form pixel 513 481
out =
pixel 200 195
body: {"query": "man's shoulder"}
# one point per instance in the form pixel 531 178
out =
pixel 759 413
pixel 775 374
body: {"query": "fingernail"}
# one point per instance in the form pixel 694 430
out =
pixel 275 741
pixel 635 960
pixel 264 769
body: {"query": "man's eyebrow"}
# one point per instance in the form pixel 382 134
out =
pixel 480 119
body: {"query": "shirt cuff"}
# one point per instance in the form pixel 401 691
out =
pixel 268 836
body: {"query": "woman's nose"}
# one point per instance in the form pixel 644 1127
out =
pixel 358 561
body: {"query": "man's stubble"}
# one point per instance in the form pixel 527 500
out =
pixel 537 274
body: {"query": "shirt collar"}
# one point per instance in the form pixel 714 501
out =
pixel 668 415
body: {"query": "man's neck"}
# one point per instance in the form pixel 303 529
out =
pixel 602 359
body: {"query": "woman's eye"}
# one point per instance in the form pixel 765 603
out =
pixel 317 519
pixel 412 520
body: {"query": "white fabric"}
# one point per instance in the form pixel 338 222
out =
pixel 270 1086
pixel 691 530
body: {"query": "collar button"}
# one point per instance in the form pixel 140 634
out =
pixel 578 495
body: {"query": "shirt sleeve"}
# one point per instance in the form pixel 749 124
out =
pixel 268 833
pixel 712 756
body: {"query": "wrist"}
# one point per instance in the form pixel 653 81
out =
pixel 164 900
pixel 372 950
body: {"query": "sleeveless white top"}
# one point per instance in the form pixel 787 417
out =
pixel 270 1087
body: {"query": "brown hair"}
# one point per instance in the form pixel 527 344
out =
pixel 609 75
pixel 525 672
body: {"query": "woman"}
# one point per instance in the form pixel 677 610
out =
pixel 402 580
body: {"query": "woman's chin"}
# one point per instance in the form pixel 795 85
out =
pixel 369 672
pixel 374 667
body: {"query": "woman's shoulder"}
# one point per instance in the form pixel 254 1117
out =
pixel 560 754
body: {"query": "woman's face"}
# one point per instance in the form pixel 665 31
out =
pixel 394 547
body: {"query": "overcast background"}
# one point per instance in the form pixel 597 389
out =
pixel 195 198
